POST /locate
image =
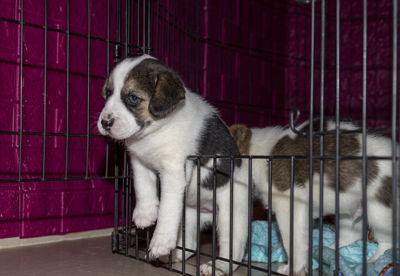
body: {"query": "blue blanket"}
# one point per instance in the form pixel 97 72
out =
pixel 350 256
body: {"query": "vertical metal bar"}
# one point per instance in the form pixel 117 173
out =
pixel 117 54
pixel 157 23
pixel 162 19
pixel 269 216
pixel 176 38
pixel 88 94
pixel 21 63
pixel 197 46
pixel 108 69
pixel 44 92
pixel 173 31
pixel 148 245
pixel 395 200
pixel 337 153
pixel 231 215
pixel 137 244
pixel 129 211
pixel 198 220
pixel 183 234
pixel 167 21
pixel 138 26
pixel 144 28
pixel 67 100
pixel 310 137
pixel 116 200
pixel 126 205
pixel 149 27
pixel 321 128
pixel 250 213
pixel 364 139
pixel 118 23
pixel 126 27
pixel 291 215
pixel 214 226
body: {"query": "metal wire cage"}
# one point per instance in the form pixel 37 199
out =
pixel 198 40
pixel 321 61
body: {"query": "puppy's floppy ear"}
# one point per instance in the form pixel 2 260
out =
pixel 242 136
pixel 169 92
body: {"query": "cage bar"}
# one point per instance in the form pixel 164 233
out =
pixel 21 71
pixel 67 95
pixel 44 92
pixel 214 213
pixel 250 213
pixel 310 139
pixel 364 139
pixel 337 127
pixel 88 93
pixel 198 218
pixel 291 249
pixel 269 216
pixel 232 160
pixel 395 166
pixel 321 128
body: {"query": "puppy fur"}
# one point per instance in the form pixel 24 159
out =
pixel 278 141
pixel 162 123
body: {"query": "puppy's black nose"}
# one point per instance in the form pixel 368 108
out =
pixel 107 124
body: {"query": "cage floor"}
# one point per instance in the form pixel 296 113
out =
pixel 81 257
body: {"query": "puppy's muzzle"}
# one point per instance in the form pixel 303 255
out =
pixel 107 124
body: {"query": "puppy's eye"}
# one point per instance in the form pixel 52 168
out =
pixel 108 93
pixel 133 100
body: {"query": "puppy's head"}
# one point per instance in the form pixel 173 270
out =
pixel 242 136
pixel 138 92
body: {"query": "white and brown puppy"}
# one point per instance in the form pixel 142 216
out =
pixel 162 123
pixel 278 141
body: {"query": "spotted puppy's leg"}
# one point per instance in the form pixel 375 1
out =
pixel 240 226
pixel 300 231
pixel 146 209
pixel 380 221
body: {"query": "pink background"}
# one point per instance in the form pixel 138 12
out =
pixel 254 65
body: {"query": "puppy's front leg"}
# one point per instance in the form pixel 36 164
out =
pixel 300 232
pixel 146 208
pixel 170 212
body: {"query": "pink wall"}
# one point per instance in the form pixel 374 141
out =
pixel 254 66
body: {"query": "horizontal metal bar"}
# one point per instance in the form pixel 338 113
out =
pixel 62 179
pixel 288 157
pixel 28 133
pixel 65 32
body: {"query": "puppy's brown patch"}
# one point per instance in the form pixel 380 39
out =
pixel 349 169
pixel 242 136
pixel 108 85
pixel 384 194
pixel 141 111
pixel 163 86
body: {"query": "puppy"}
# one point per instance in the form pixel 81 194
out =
pixel 162 123
pixel 278 141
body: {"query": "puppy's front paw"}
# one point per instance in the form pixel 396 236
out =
pixel 284 269
pixel 145 216
pixel 161 244
pixel 206 269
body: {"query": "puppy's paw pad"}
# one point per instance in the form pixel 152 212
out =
pixel 206 270
pixel 145 217
pixel 161 244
